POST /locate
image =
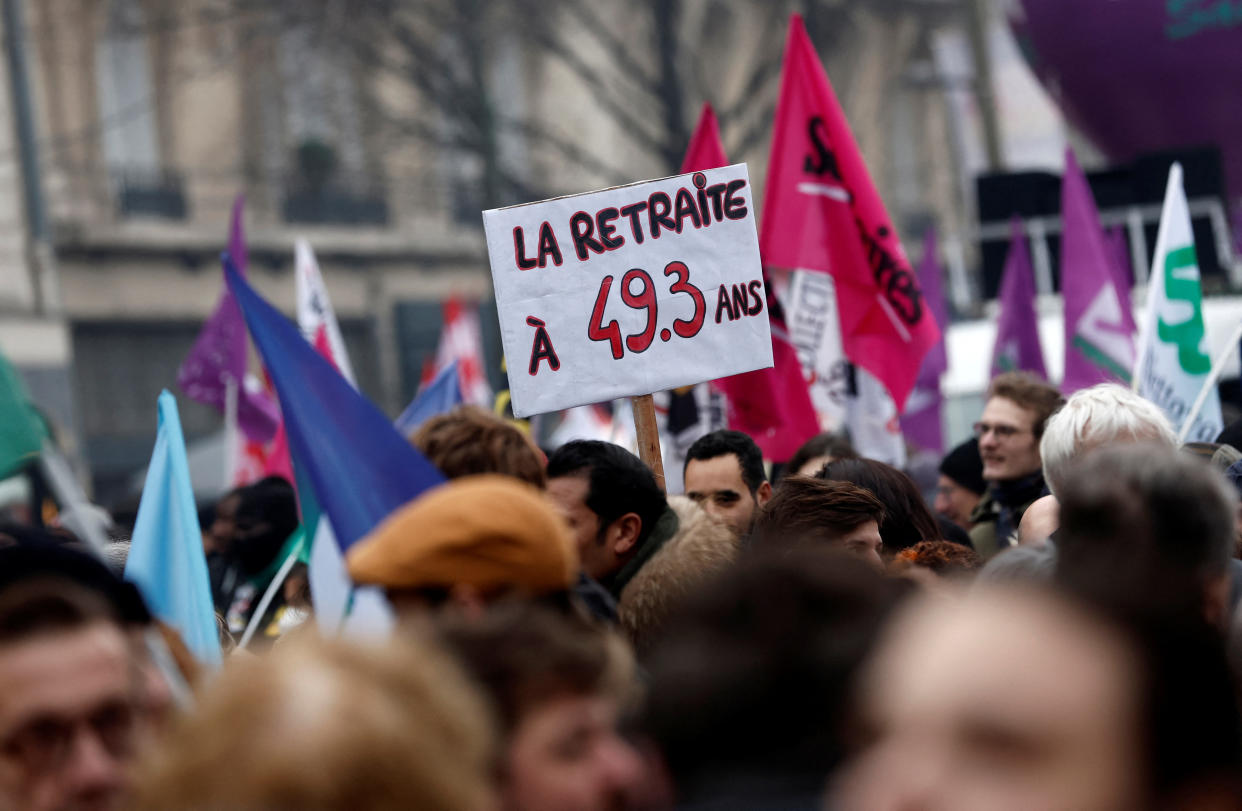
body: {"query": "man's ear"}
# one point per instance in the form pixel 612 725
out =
pixel 624 534
pixel 763 494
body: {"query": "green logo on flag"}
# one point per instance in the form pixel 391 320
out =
pixel 1188 335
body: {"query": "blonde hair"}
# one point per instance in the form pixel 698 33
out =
pixel 329 726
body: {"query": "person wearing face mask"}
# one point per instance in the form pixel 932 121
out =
pixel 264 522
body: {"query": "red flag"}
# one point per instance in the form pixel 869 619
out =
pixel 461 340
pixel 771 405
pixel 821 212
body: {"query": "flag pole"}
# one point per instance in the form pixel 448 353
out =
pixel 277 582
pixel 648 435
pixel 1218 368
pixel 232 439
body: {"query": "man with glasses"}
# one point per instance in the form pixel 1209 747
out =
pixel 1018 405
pixel 70 694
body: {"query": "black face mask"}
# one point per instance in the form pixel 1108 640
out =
pixel 256 545
pixel 266 516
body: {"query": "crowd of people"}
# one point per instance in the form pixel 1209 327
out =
pixel 1055 627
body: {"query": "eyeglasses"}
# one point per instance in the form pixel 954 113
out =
pixel 1002 431
pixel 44 744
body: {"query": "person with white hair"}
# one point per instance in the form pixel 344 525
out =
pixel 1102 415
pixel 1106 414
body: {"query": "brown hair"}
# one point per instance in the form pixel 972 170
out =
pixel 942 557
pixel 907 520
pixel 1030 393
pixel 806 508
pixel 523 655
pixel 468 441
pixel 328 726
pixel 831 445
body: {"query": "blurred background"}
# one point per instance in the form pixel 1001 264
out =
pixel 379 129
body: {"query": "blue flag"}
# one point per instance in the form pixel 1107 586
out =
pixel 437 397
pixel 359 468
pixel 166 558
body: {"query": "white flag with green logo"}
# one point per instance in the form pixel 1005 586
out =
pixel 1173 360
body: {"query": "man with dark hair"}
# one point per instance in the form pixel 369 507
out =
pixel 809 511
pixel 1149 526
pixel 1017 408
pixel 724 474
pixel 617 513
pixel 70 687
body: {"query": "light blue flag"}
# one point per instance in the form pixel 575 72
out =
pixel 166 558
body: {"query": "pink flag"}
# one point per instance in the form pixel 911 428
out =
pixel 1099 322
pixel 822 212
pixel 1017 329
pixel 772 405
pixel 706 150
pixel 922 422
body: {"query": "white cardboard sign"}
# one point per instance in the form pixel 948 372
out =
pixel 629 290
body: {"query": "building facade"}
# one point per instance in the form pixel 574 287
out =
pixel 152 115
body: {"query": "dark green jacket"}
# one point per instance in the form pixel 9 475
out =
pixel 997 517
pixel 664 529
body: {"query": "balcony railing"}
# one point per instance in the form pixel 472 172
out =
pixel 335 204
pixel 150 193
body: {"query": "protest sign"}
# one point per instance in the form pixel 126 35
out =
pixel 629 290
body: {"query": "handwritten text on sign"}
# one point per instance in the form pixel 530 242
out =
pixel 629 290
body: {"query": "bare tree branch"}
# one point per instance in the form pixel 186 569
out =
pixel 634 127
pixel 569 149
pixel 756 132
pixel 756 82
pixel 619 52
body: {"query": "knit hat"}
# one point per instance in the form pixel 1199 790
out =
pixel 964 466
pixel 484 531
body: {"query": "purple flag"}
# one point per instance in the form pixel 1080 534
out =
pixel 1017 328
pixel 1121 258
pixel 921 422
pixel 219 354
pixel 1099 321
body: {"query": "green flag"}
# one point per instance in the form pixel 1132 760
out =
pixel 22 430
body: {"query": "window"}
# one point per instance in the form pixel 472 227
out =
pixel 127 121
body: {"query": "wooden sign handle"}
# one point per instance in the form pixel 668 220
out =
pixel 648 436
